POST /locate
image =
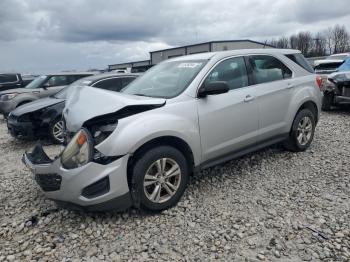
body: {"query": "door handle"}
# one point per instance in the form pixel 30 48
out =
pixel 290 85
pixel 249 98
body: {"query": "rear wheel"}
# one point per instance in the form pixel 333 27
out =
pixel 56 131
pixel 302 131
pixel 159 178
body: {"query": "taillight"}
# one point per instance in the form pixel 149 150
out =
pixel 319 81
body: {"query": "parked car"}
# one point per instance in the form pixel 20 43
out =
pixel 140 146
pixel 43 117
pixel 336 90
pixel 42 86
pixel 330 64
pixel 13 80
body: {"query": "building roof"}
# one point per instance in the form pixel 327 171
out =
pixel 210 42
pixel 209 55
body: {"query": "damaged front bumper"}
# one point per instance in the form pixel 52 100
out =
pixel 92 187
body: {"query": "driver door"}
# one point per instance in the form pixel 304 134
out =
pixel 228 122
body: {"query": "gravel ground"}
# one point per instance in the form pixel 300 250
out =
pixel 271 205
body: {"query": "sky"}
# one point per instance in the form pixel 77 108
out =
pixel 38 36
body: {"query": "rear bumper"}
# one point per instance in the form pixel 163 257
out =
pixel 81 188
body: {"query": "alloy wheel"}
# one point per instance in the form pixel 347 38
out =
pixel 162 180
pixel 57 131
pixel 304 131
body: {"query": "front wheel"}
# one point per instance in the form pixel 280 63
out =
pixel 56 131
pixel 302 131
pixel 159 178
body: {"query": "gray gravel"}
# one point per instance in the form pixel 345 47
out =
pixel 270 205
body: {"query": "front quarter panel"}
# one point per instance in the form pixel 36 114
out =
pixel 174 119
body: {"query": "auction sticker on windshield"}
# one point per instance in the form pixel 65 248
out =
pixel 189 65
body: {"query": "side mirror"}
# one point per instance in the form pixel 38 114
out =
pixel 46 85
pixel 213 88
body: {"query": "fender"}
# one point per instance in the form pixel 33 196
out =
pixel 134 131
pixel 301 96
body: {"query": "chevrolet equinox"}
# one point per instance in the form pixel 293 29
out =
pixel 139 147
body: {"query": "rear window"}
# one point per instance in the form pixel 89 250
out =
pixel 8 78
pixel 300 60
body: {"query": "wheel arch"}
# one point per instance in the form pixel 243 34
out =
pixel 173 141
pixel 311 105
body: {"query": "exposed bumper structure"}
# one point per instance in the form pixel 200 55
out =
pixel 92 187
pixel 20 129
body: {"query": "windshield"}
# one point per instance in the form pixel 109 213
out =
pixel 166 80
pixel 37 82
pixel 345 66
pixel 63 93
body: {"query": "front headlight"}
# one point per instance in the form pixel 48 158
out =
pixel 7 97
pixel 79 151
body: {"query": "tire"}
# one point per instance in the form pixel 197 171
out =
pixel 146 196
pixel 304 120
pixel 327 102
pixel 54 131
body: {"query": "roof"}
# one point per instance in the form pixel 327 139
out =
pixel 134 62
pixel 210 42
pixel 235 52
pixel 71 73
pixel 107 75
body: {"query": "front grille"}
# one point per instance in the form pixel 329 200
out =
pixel 49 182
pixel 96 189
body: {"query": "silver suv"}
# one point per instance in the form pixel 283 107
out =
pixel 139 147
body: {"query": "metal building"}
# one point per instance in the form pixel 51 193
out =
pixel 212 46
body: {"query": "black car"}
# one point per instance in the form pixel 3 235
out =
pixel 43 117
pixel 336 89
pixel 14 80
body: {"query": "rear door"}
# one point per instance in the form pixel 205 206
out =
pixel 274 82
pixel 228 122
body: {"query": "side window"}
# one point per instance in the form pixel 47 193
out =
pixel 57 81
pixel 8 78
pixel 126 81
pixel 268 69
pixel 233 71
pixel 113 84
pixel 74 78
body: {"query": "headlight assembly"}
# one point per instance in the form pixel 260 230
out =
pixel 7 97
pixel 102 132
pixel 79 151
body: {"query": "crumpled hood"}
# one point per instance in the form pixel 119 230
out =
pixel 18 90
pixel 327 61
pixel 36 105
pixel 86 102
pixel 340 76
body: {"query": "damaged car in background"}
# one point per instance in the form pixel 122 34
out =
pixel 41 86
pixel 336 90
pixel 139 147
pixel 42 118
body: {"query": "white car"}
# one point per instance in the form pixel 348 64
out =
pixel 139 147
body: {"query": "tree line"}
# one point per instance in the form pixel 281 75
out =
pixel 334 40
